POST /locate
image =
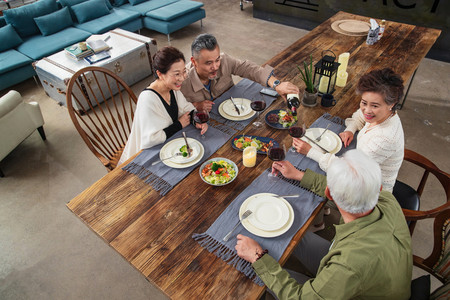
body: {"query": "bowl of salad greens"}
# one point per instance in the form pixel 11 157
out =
pixel 218 171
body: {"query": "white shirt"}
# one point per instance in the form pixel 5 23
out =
pixel 383 142
pixel 150 119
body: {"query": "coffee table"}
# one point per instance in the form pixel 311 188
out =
pixel 131 59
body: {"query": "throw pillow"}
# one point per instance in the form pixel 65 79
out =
pixel 120 2
pixel 54 22
pixel 70 3
pixel 136 2
pixel 22 18
pixel 90 10
pixel 9 38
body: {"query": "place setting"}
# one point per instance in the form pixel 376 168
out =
pixel 240 104
pixel 164 166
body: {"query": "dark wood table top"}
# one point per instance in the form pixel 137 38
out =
pixel 154 233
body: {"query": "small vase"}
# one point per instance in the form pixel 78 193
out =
pixel 310 99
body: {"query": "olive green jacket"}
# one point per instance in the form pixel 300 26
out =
pixel 370 257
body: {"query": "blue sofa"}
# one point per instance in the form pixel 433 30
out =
pixel 31 32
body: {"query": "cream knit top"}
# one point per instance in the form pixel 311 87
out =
pixel 383 142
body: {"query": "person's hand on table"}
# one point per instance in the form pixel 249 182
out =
pixel 346 137
pixel 285 88
pixel 185 119
pixel 301 146
pixel 206 105
pixel 203 127
pixel 247 248
pixel 287 170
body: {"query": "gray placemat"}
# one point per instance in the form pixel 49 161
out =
pixel 243 89
pixel 302 206
pixel 163 178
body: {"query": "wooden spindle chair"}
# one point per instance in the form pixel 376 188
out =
pixel 408 197
pixel 438 262
pixel 101 106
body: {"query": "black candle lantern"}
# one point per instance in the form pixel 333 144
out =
pixel 325 73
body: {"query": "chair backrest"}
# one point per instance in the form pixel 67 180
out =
pixel 404 190
pixel 429 167
pixel 101 106
pixel 438 263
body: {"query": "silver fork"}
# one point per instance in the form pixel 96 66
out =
pixel 320 136
pixel 176 154
pixel 247 213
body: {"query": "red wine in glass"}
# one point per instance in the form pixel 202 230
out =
pixel 201 117
pixel 258 106
pixel 296 132
pixel 276 154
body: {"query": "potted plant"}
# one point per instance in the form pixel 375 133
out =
pixel 306 74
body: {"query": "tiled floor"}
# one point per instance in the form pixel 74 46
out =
pixel 48 253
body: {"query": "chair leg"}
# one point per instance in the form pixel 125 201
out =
pixel 168 38
pixel 1 173
pixel 42 133
pixel 201 22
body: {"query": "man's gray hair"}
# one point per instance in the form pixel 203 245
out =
pixel 354 181
pixel 203 41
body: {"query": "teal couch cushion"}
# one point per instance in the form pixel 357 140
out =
pixel 22 18
pixel 9 38
pixel 168 27
pixel 70 3
pixel 2 21
pixel 90 10
pixel 39 46
pixel 54 22
pixel 120 2
pixel 135 2
pixel 147 6
pixel 12 59
pixel 174 10
pixel 116 18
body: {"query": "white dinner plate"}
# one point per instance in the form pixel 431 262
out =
pixel 242 104
pixel 330 140
pixel 232 118
pixel 192 143
pixel 269 213
pixel 173 147
pixel 264 233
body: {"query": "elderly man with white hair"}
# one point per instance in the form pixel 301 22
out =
pixel 370 256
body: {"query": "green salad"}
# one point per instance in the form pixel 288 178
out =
pixel 218 172
pixel 286 118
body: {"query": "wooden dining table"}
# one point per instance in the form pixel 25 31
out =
pixel 154 233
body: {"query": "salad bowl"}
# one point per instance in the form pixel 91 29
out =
pixel 218 171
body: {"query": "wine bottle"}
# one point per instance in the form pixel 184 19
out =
pixel 293 103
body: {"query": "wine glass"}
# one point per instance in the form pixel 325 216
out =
pixel 296 132
pixel 201 116
pixel 276 153
pixel 258 105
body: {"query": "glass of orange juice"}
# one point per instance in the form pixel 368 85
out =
pixel 249 157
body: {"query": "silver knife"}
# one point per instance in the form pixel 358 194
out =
pixel 235 106
pixel 315 143
pixel 187 145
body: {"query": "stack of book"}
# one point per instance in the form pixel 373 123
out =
pixel 76 53
pixel 98 45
